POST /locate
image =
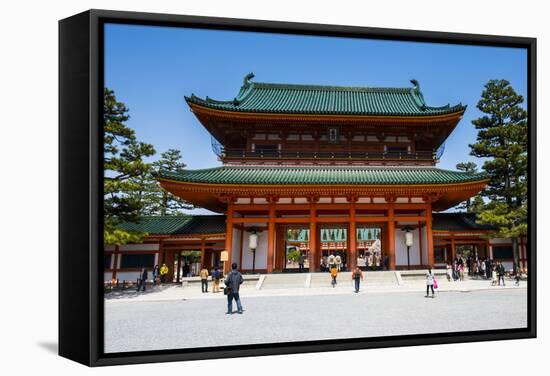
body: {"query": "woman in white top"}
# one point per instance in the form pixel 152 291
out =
pixel 430 283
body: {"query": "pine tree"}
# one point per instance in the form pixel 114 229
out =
pixel 164 202
pixel 469 167
pixel 502 138
pixel 122 163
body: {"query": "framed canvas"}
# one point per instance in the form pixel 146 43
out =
pixel 234 187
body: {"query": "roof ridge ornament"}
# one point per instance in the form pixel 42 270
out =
pixel 247 78
pixel 417 95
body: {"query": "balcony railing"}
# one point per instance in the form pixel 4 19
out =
pixel 274 154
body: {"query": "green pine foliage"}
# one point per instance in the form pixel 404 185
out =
pixel 469 167
pixel 502 140
pixel 123 163
pixel 164 202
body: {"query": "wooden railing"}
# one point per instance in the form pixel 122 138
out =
pixel 269 154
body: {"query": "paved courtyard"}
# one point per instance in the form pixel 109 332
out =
pixel 133 324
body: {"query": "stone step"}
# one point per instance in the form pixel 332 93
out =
pixel 286 280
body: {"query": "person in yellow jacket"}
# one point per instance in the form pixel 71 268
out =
pixel 163 272
pixel 204 279
pixel 333 274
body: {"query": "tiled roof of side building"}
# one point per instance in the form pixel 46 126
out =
pixel 275 175
pixel 258 97
pixel 457 222
pixel 178 225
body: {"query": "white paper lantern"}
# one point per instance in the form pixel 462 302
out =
pixel 409 239
pixel 253 241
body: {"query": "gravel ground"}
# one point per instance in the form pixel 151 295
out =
pixel 157 325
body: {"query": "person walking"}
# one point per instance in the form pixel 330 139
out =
pixel 156 275
pixel 186 270
pixel 216 278
pixel 333 274
pixel 386 262
pixel 488 269
pixel 142 280
pixel 163 273
pixel 430 283
pixel 301 260
pixel 204 279
pixel 501 272
pixel 233 283
pixel 493 277
pixel 357 276
pixel 461 270
pixel 449 272
pixel 482 267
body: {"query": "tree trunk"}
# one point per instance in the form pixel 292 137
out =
pixel 515 252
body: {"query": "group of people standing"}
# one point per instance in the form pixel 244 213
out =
pixel 474 266
pixel 216 276
pixel 159 277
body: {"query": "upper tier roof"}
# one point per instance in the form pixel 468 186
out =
pixel 259 97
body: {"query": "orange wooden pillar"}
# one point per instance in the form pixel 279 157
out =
pixel 170 261
pixel 313 258
pixel 420 242
pixel 391 237
pixel 352 238
pixel 271 238
pixel 453 248
pixel 203 254
pixel 429 236
pixel 228 239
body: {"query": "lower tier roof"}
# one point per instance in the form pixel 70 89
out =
pixel 177 225
pixel 278 175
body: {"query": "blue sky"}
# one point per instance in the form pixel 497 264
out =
pixel 152 68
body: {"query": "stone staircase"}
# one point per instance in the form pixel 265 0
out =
pixel 284 281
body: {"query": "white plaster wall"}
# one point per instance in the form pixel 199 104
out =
pixel 139 247
pixel 107 276
pixel 401 248
pixel 261 252
pixel 129 276
pixel 236 247
pixel 109 248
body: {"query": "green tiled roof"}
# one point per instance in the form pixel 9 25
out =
pixel 177 225
pixel 276 175
pixel 259 97
pixel 457 221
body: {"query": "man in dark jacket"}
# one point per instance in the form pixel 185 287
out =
pixel 233 283
pixel 488 268
pixel 142 279
pixel 501 272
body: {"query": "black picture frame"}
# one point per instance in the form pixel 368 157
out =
pixel 80 186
